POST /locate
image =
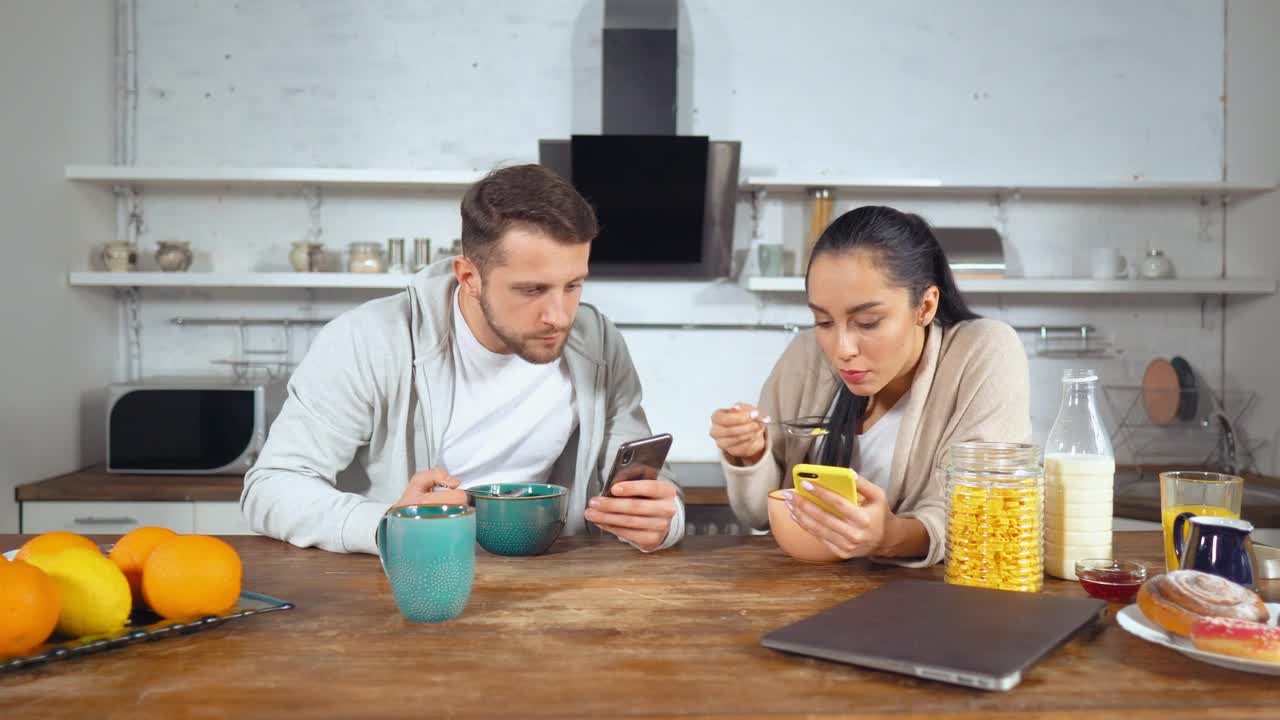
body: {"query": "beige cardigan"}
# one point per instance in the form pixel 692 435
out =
pixel 971 384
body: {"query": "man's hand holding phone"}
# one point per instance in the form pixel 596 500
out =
pixel 640 510
pixel 637 505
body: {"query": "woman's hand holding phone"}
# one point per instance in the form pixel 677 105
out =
pixel 854 530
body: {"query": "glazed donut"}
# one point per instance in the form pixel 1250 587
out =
pixel 1176 600
pixel 1239 638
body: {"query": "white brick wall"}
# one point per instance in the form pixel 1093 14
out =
pixel 983 90
pixel 58 342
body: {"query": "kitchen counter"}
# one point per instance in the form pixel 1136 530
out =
pixel 95 484
pixel 594 629
pixel 1137 489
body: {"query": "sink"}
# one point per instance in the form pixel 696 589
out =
pixel 1150 490
pixel 1138 496
pixel 1267 536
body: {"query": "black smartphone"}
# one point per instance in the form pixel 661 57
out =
pixel 638 459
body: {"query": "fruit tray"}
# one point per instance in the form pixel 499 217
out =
pixel 143 626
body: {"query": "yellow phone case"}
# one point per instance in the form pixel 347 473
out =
pixel 839 480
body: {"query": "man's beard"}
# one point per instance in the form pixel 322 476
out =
pixel 528 348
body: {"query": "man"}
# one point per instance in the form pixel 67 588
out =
pixel 486 369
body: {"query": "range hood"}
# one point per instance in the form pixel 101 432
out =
pixel 639 107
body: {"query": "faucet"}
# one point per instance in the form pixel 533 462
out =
pixel 1226 443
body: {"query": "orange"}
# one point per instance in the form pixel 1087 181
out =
pixel 52 542
pixel 28 608
pixel 190 576
pixel 132 550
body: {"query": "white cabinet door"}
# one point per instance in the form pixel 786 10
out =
pixel 106 518
pixel 220 518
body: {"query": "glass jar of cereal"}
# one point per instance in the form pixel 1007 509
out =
pixel 995 516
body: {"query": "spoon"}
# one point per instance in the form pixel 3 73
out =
pixel 807 427
pixel 517 492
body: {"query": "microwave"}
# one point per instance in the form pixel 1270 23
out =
pixel 189 426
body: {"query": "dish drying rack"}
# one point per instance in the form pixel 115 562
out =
pixel 1067 341
pixel 1212 438
pixel 274 362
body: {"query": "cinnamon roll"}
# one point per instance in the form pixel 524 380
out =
pixel 1176 601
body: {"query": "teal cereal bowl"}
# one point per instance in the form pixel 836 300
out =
pixel 518 519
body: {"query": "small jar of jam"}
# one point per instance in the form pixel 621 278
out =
pixel 1115 581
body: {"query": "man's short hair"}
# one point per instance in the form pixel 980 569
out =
pixel 529 195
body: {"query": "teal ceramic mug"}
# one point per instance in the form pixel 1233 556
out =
pixel 429 554
pixel 518 518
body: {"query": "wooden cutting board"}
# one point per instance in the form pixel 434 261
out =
pixel 1160 391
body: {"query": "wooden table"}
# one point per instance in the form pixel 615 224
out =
pixel 593 629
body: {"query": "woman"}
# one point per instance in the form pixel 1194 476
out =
pixel 903 369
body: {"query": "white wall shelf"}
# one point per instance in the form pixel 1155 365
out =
pixel 1067 286
pixel 455 179
pixel 330 177
pixel 934 186
pixel 1012 286
pixel 357 281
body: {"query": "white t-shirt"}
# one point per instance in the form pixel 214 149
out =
pixel 511 418
pixel 873 453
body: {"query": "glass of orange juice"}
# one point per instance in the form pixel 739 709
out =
pixel 1200 493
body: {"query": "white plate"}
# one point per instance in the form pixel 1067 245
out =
pixel 1132 620
pixel 10 554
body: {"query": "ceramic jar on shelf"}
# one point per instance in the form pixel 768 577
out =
pixel 307 256
pixel 119 256
pixel 1156 266
pixel 173 255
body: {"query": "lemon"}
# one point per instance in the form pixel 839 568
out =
pixel 94 592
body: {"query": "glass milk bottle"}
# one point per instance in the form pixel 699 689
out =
pixel 1079 477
